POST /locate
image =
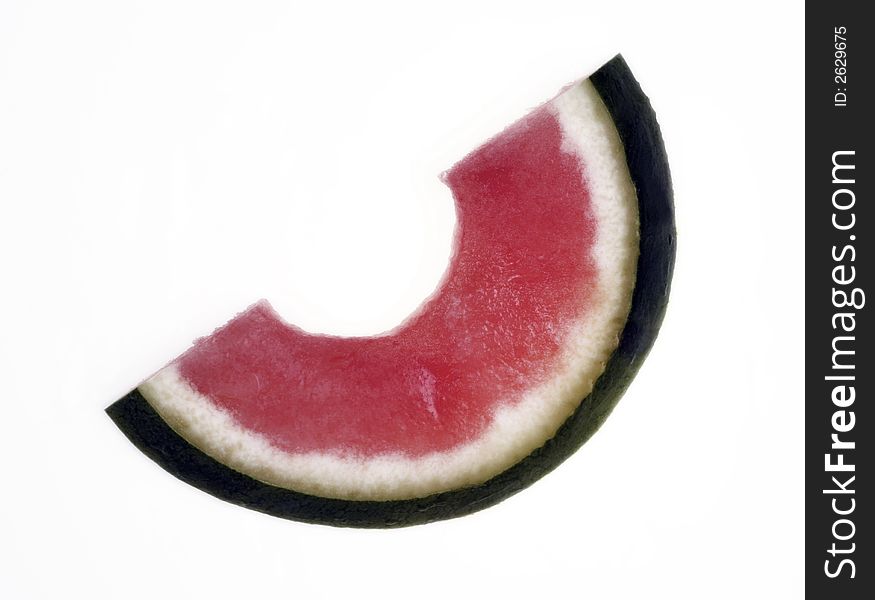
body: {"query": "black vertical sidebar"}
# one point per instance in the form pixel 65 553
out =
pixel 839 336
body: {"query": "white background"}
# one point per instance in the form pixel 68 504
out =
pixel 165 164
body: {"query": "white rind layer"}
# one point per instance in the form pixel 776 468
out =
pixel 519 427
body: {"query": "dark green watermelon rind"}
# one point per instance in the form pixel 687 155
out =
pixel 648 166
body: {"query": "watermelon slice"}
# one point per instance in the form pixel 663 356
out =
pixel 555 291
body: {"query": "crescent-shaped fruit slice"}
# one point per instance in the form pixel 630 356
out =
pixel 557 285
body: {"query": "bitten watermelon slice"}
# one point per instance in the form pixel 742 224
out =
pixel 557 286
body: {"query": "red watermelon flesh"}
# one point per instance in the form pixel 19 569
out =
pixel 485 371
